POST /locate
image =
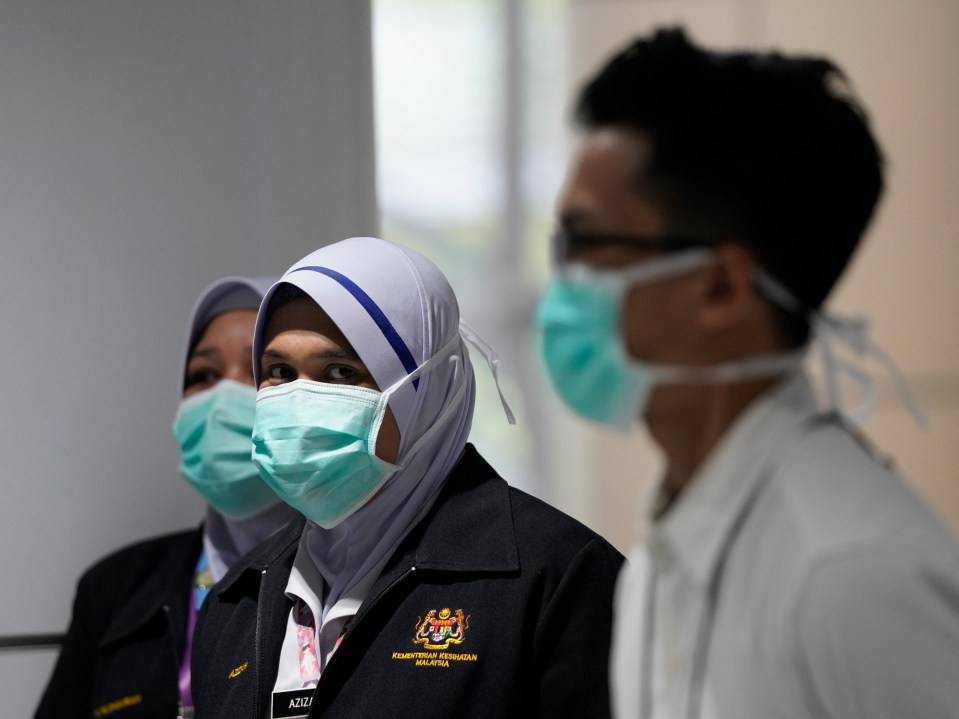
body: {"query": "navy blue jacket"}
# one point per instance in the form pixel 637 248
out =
pixel 524 591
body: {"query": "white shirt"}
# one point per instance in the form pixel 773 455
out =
pixel 795 577
pixel 306 584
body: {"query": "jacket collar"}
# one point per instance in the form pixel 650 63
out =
pixel 472 511
pixel 245 575
pixel 166 589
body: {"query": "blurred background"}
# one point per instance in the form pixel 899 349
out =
pixel 148 148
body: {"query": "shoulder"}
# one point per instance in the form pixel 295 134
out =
pixel 880 610
pixel 128 568
pixel 830 491
pixel 543 528
pixel 542 533
pixel 147 551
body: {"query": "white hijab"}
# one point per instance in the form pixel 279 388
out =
pixel 397 310
pixel 224 539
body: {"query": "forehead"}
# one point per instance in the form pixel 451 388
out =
pixel 301 315
pixel 604 185
pixel 233 328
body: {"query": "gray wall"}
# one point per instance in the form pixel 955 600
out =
pixel 146 148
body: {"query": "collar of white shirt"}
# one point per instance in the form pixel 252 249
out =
pixel 694 531
pixel 306 584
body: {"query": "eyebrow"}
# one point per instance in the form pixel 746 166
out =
pixel 329 354
pixel 205 353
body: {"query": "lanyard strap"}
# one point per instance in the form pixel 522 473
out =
pixel 202 583
pixel 306 643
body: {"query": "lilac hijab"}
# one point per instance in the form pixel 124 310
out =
pixel 397 310
pixel 224 539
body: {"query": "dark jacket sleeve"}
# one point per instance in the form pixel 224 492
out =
pixel 573 635
pixel 69 692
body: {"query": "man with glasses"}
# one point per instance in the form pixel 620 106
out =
pixel 784 570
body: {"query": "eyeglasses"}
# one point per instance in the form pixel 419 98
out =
pixel 567 243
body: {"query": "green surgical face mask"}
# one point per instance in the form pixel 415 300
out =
pixel 315 442
pixel 213 429
pixel 579 321
pixel 315 446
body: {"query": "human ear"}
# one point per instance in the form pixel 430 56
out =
pixel 727 293
pixel 388 438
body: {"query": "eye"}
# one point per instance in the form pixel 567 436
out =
pixel 198 379
pixel 339 373
pixel 278 373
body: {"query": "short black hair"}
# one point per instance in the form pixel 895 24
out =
pixel 768 150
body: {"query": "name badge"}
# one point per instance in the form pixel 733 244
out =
pixel 295 703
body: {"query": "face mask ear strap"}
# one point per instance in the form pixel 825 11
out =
pixel 662 267
pixel 444 352
pixel 492 359
pixel 440 422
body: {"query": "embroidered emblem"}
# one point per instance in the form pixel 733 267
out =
pixel 440 629
pixel 115 706
pixel 239 670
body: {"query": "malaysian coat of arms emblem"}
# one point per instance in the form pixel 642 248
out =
pixel 438 630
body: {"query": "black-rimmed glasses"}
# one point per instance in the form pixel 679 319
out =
pixel 568 243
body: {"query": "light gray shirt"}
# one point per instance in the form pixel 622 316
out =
pixel 796 577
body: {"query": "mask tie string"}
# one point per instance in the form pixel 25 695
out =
pixel 492 360
pixel 853 333
pixel 830 330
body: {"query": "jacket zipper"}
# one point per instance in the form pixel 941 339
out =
pixel 359 619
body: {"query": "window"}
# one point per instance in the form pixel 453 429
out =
pixel 471 151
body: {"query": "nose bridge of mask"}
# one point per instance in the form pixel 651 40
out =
pixel 225 393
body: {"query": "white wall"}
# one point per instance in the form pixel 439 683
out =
pixel 146 148
pixel 902 59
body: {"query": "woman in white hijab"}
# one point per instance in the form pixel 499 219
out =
pixel 129 642
pixel 422 585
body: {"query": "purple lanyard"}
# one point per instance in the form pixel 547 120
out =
pixel 199 590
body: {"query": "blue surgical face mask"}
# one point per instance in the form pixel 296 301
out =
pixel 579 319
pixel 213 429
pixel 315 442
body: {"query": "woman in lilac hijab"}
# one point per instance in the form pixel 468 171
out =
pixel 129 642
pixel 422 584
